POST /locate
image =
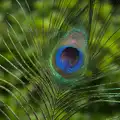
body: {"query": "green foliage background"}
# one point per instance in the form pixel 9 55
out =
pixel 96 111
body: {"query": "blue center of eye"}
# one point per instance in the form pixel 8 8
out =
pixel 69 59
pixel 70 56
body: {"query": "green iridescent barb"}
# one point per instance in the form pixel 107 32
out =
pixel 59 60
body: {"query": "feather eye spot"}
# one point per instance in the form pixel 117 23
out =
pixel 68 58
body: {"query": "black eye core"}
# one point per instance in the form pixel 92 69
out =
pixel 71 55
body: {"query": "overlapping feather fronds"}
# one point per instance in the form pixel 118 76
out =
pixel 30 87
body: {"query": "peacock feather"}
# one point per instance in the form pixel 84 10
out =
pixel 59 60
